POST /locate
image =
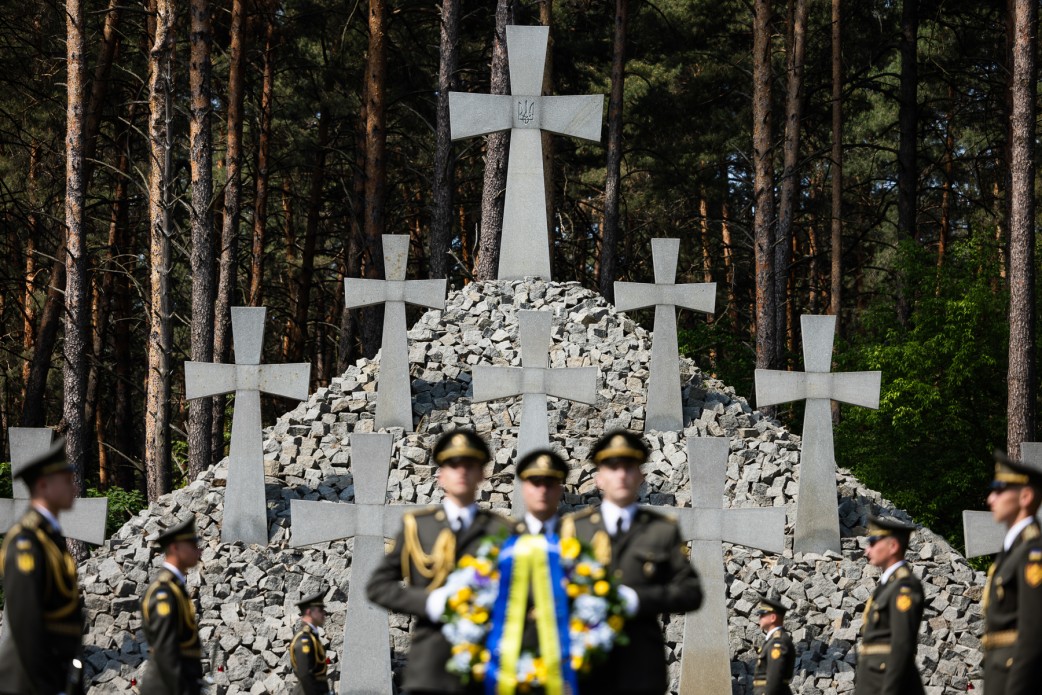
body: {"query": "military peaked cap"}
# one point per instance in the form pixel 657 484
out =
pixel 184 531
pixel 1011 472
pixel 542 463
pixel 460 444
pixel 51 460
pixel 878 528
pixel 619 444
pixel 312 601
pixel 770 605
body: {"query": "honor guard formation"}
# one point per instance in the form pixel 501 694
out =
pixel 636 557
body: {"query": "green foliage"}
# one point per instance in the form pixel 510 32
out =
pixel 943 400
pixel 5 479
pixel 123 504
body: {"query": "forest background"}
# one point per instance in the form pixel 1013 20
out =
pixel 160 162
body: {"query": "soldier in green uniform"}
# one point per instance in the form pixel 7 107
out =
pixel 306 653
pixel 777 656
pixel 1013 595
pixel 890 632
pixel 644 551
pixel 541 474
pixel 410 579
pixel 40 653
pixel 168 617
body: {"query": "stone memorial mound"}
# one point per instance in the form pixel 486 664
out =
pixel 247 593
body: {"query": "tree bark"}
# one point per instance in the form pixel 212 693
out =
pixel 763 188
pixel 612 183
pixel 836 291
pixel 1022 379
pixel 77 309
pixel 444 161
pixel 160 336
pixel 496 145
pixel 200 413
pixel 260 204
pixel 790 176
pixel 230 219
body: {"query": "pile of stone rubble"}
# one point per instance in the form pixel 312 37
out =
pixel 247 594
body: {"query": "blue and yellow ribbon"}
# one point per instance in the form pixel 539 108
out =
pixel 530 562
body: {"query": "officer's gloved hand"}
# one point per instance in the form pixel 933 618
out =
pixel 436 603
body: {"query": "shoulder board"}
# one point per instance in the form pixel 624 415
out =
pixel 1032 532
pixel 582 513
pixel 1035 555
pixel 304 633
pixel 30 520
pixel 646 514
pixel 902 572
pixel 425 511
pixel 906 589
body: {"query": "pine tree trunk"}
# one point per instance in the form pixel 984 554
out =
pixel 444 161
pixel 836 292
pixel 226 275
pixel 375 166
pixel 160 336
pixel 790 175
pixel 200 413
pixel 763 188
pixel 612 183
pixel 260 204
pixel 496 145
pixel 1022 379
pixel 76 344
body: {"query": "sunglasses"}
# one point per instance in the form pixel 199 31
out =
pixel 1000 486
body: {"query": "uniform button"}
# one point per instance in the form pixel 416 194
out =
pixel 1009 662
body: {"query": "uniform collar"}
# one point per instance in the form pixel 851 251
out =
pixel 890 572
pixel 612 513
pixel 465 514
pixel 771 632
pixel 1014 532
pixel 51 518
pixel 536 526
pixel 176 572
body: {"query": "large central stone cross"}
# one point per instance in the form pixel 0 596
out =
pixel 393 394
pixel 705 667
pixel 84 522
pixel 245 510
pixel 982 534
pixel 817 512
pixel 525 249
pixel 534 381
pixel 663 406
pixel 366 663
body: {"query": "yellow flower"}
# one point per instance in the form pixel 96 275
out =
pixel 461 647
pixel 575 590
pixel 583 569
pixel 570 548
pixel 540 669
pixel 480 616
pixel 484 567
pixel 479 671
pixel 577 625
pixel 466 561
pixel 598 573
pixel 601 588
pixel 464 594
pixel 616 622
pixel 577 663
pixel 486 656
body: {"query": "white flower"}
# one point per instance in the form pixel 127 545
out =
pixel 590 609
pixel 470 632
pixel 460 662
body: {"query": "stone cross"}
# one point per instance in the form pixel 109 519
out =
pixel 984 535
pixel 705 667
pixel 245 510
pixel 524 249
pixel 534 381
pixel 664 409
pixel 366 655
pixel 393 394
pixel 817 512
pixel 84 522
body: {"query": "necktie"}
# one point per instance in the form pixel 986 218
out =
pixel 619 526
pixel 541 531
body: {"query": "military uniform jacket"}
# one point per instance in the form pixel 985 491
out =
pixel 44 609
pixel 168 617
pixel 424 553
pixel 1013 618
pixel 649 558
pixel 889 638
pixel 308 658
pixel 774 665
